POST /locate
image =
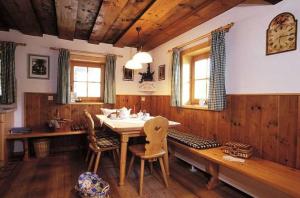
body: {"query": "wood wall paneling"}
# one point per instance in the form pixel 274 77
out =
pixel 270 123
pixel 298 136
pixel 39 110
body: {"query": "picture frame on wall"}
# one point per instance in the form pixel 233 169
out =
pixel 162 72
pixel 38 66
pixel 128 74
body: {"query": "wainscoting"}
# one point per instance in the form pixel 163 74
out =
pixel 271 123
pixel 40 108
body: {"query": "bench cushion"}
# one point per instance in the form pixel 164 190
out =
pixel 192 140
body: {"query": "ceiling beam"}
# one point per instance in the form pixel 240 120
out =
pixel 45 11
pixel 109 12
pixel 273 1
pixel 86 17
pixel 23 16
pixel 191 18
pixel 66 14
pixel 130 13
pixel 158 15
pixel 259 2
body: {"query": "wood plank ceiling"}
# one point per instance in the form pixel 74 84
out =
pixel 111 21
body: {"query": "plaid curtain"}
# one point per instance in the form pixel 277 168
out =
pixel 63 78
pixel 8 78
pixel 110 84
pixel 217 92
pixel 176 74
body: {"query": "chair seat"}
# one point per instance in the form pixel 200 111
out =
pixel 105 142
pixel 139 150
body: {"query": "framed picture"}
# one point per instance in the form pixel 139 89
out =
pixel 128 74
pixel 38 66
pixel 162 72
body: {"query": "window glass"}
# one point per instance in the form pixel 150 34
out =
pixel 94 74
pixel 80 73
pixel 87 80
pixel 94 89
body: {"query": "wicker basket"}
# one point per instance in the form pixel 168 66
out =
pixel 237 149
pixel 41 148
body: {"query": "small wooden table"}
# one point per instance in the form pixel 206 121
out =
pixel 35 134
pixel 128 128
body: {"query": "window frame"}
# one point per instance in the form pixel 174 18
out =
pixel 194 59
pixel 195 51
pixel 74 63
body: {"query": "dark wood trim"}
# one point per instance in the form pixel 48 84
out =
pixel 89 64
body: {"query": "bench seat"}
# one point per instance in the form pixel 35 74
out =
pixel 276 176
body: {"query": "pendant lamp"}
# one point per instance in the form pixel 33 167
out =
pixel 142 57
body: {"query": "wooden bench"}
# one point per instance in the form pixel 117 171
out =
pixel 255 176
pixel 38 134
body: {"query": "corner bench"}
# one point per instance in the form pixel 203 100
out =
pixel 38 134
pixel 257 177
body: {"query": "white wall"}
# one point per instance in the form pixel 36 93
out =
pixel 40 46
pixel 248 69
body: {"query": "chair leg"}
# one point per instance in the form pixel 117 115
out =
pixel 97 162
pixel 142 177
pixel 163 171
pixel 130 165
pixel 115 156
pixel 151 167
pixel 87 155
pixel 91 161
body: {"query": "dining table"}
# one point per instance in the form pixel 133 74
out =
pixel 129 128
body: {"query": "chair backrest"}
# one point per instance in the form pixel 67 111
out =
pixel 90 123
pixel 90 130
pixel 156 131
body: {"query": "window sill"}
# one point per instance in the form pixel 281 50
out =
pixel 195 107
pixel 87 103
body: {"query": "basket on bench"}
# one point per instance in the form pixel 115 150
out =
pixel 237 149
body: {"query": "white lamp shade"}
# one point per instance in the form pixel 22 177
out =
pixel 143 57
pixel 133 64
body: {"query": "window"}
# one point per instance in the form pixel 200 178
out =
pixel 200 78
pixel 195 75
pixel 87 80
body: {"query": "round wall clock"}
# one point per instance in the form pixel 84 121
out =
pixel 282 34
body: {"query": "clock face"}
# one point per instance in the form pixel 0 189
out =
pixel 282 34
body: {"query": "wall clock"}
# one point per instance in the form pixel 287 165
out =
pixel 282 34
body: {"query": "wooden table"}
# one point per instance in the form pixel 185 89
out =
pixel 128 128
pixel 38 134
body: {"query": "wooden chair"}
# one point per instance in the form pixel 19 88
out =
pixel 97 145
pixel 156 131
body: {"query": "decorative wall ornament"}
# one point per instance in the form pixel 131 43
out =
pixel 128 74
pixel 282 34
pixel 147 86
pixel 146 76
pixel 162 72
pixel 38 66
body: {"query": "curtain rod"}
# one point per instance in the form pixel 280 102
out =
pixel 86 53
pixel 19 44
pixel 226 28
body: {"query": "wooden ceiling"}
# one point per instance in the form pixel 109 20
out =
pixel 111 21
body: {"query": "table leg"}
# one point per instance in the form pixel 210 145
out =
pixel 26 150
pixel 213 170
pixel 124 143
pixel 166 157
